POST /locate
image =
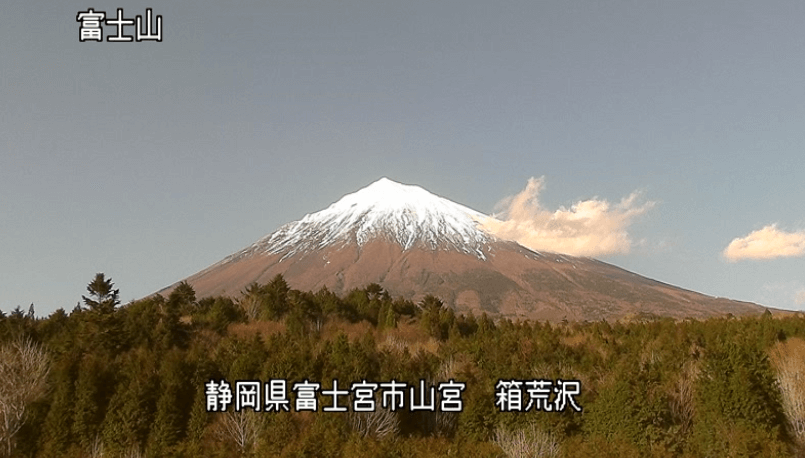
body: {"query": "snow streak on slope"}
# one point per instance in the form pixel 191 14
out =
pixel 405 214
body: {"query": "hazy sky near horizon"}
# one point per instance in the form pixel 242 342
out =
pixel 667 138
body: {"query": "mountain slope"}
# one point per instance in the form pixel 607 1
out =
pixel 414 243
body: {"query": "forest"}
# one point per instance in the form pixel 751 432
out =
pixel 139 379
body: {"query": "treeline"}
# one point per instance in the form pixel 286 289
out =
pixel 130 380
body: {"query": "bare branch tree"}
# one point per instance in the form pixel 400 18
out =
pixel 681 400
pixel 789 359
pixel 24 368
pixel 378 423
pixel 529 442
pixel 242 428
pixel 133 452
pixel 251 302
pixel 438 422
pixel 95 449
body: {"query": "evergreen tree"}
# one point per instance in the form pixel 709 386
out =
pixel 197 423
pixel 223 311
pixel 328 301
pixel 142 320
pixel 89 401
pixel 404 307
pixel 173 405
pixel 103 298
pixel 390 319
pixel 104 328
pixel 182 299
pixel 131 409
pixel 276 304
pixel 170 329
pixel 56 429
pixel 359 301
pixel 432 307
pixel 736 396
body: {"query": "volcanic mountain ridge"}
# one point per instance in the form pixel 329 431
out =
pixel 414 243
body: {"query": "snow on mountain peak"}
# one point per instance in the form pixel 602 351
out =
pixel 405 214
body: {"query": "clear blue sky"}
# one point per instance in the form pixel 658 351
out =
pixel 150 161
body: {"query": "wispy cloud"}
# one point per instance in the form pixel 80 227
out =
pixel 592 227
pixel 788 295
pixel 766 243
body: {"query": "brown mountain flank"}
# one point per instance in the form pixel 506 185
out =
pixel 511 282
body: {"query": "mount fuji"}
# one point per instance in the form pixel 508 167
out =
pixel 415 243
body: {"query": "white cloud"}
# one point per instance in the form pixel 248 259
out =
pixel 588 228
pixel 766 243
pixel 799 297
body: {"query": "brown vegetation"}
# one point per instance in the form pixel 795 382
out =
pixel 528 442
pixel 788 358
pixel 24 368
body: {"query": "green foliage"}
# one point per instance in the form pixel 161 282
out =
pixel 182 300
pixel 243 358
pixel 389 317
pixel 102 327
pixel 432 318
pixel 349 362
pixel 103 297
pixel 736 395
pixel 358 300
pixel 289 360
pixel 134 375
pixel 629 412
pixel 601 447
pixel 404 307
pixel 304 314
pixel 275 303
pixel 91 395
pixel 174 400
pixel 199 417
pixel 140 320
pixel 324 438
pixel 332 305
pixel 279 432
pixel 217 313
pixel 57 423
pixel 131 408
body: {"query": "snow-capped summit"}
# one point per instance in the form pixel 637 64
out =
pixel 405 214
